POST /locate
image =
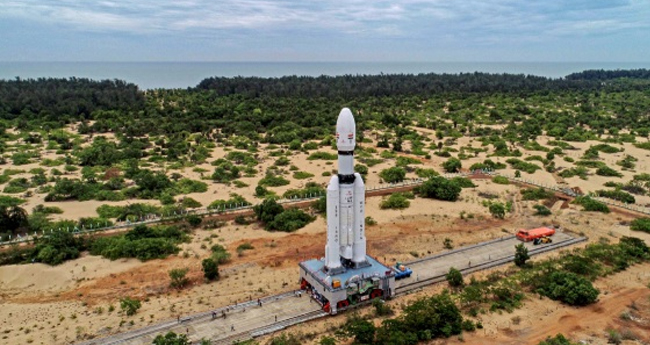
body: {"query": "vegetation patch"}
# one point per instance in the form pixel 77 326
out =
pixel 589 204
pixel 144 243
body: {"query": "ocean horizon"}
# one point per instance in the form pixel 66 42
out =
pixel 169 75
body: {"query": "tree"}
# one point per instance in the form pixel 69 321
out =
pixel 12 218
pixel 267 210
pixel 452 165
pixel 178 277
pixel 171 338
pixel 521 255
pixel 454 278
pixel 210 269
pixel 130 305
pixel 498 210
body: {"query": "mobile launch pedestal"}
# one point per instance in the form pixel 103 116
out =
pixel 346 275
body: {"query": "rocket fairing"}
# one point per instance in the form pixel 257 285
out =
pixel 345 202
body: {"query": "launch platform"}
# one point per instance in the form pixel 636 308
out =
pixel 353 285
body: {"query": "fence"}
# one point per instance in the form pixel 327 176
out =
pixel 201 212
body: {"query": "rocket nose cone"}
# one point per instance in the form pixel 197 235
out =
pixel 345 117
pixel 345 131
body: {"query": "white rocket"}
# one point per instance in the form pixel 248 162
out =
pixel 346 238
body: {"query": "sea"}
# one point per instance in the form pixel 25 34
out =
pixel 172 75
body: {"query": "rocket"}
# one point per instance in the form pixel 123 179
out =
pixel 346 238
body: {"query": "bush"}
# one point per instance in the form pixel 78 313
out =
pixel 522 165
pixel 426 173
pixel 536 194
pixel 290 220
pixel 193 220
pixel 393 175
pixel 323 155
pixel 557 340
pixel 219 254
pixel 463 182
pixel 500 180
pixel 178 277
pixel 541 210
pixel 301 175
pixel 234 201
pixel 617 195
pixel 144 243
pixel 210 269
pixel 607 171
pixel 497 210
pixel 130 305
pixel 589 204
pixel 521 255
pixel 439 188
pixel 641 224
pixel 452 165
pixel 273 181
pixel 396 201
pixel 567 287
pixel 171 338
pixel 454 278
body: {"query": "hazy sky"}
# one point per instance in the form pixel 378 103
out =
pixel 325 30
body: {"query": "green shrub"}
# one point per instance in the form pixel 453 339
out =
pixel 536 194
pixel 567 287
pixel 463 182
pixel 396 201
pixel 210 269
pixel 541 210
pixel 607 171
pixel 452 165
pixel 590 204
pixel 323 155
pixel 393 175
pixel 641 224
pixel 617 195
pixel 311 189
pixel 522 165
pixel 426 173
pixel 130 305
pixel 500 180
pixel 219 254
pixel 273 181
pixel 234 201
pixel 454 278
pixel 290 220
pixel 403 161
pixel 439 188
pixel 301 175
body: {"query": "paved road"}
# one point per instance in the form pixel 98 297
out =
pixel 469 256
pixel 249 319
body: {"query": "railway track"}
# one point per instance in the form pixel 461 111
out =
pixel 409 287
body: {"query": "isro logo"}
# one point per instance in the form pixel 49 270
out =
pixel 350 135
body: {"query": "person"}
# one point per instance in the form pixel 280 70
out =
pixel 232 328
pixel 178 318
pixel 276 318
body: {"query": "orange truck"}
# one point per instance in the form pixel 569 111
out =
pixel 529 235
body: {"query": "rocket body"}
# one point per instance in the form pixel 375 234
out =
pixel 346 242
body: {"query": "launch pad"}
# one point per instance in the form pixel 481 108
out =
pixel 346 275
pixel 347 287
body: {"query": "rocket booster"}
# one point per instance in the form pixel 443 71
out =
pixel 345 201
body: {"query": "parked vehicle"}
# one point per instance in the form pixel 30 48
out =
pixel 530 235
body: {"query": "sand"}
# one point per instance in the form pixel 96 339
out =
pixel 58 305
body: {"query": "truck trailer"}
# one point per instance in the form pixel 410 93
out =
pixel 529 235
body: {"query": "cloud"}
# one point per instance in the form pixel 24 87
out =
pixel 286 22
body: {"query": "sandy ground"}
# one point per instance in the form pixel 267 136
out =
pixel 80 299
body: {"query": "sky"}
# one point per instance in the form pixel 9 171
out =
pixel 325 30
